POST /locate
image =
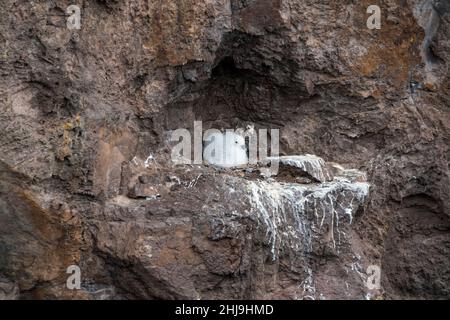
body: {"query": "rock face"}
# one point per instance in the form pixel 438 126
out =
pixel 86 177
pixel 308 165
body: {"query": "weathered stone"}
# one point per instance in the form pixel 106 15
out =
pixel 309 166
pixel 84 149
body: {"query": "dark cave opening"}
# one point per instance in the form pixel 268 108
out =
pixel 226 67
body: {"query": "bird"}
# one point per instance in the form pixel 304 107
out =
pixel 225 150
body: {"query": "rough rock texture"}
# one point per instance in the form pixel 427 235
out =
pixel 309 166
pixel 85 170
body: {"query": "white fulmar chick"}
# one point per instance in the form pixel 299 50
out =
pixel 225 150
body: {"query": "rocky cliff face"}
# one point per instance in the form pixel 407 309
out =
pixel 86 176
